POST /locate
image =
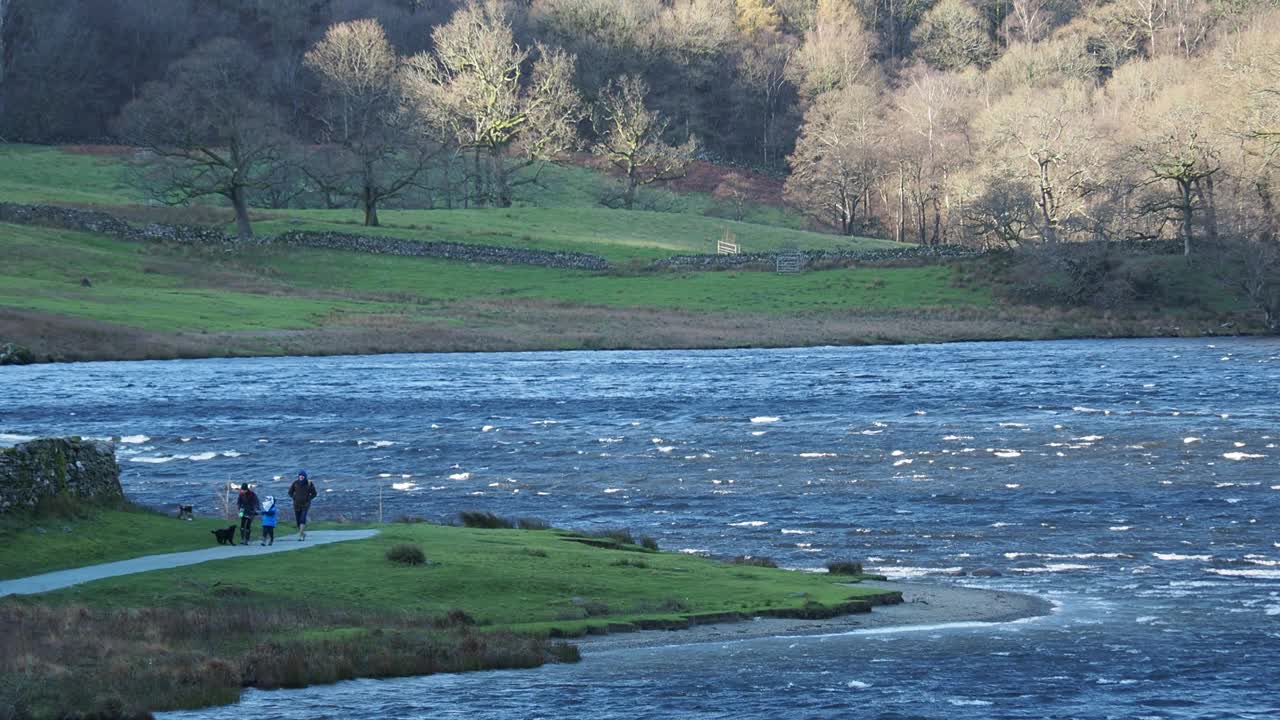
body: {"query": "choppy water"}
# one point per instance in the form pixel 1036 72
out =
pixel 1137 483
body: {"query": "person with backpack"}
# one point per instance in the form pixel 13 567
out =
pixel 302 492
pixel 247 502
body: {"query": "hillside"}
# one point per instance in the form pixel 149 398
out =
pixel 81 295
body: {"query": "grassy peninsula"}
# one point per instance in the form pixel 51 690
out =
pixel 80 295
pixel 480 599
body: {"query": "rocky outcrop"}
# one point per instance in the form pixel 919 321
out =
pixel 14 354
pixel 34 471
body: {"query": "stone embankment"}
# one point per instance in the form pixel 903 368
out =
pixel 34 471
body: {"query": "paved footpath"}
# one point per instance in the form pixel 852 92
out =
pixel 75 576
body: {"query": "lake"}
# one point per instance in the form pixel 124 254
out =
pixel 1134 483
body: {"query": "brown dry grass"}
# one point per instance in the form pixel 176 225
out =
pixel 497 326
pixel 127 662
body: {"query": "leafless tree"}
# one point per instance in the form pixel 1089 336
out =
pixel 1044 142
pixel 476 90
pixel 207 129
pixel 633 139
pixel 953 36
pixel 366 126
pixel 836 52
pixel 838 157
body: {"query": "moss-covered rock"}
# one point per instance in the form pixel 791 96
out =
pixel 39 470
pixel 12 354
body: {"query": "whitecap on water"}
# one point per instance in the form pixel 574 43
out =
pixel 1006 453
pixel 758 433
pixel 403 486
pixel 817 455
pixel 1242 456
pixel 857 685
pixel 134 439
pixel 230 454
pixel 155 460
pixel 906 461
pixel 610 491
pixel 666 448
pixel 787 531
pixel 1012 425
pixel 765 419
pixel 962 702
pixel 957 437
pixel 1013 486
pixel 1056 567
pixel 1120 528
pixel 1259 573
pixel 1179 556
pixel 750 523
pixel 198 457
pixel 608 440
pixel 1088 438
pixel 460 476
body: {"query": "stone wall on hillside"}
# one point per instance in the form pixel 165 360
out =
pixel 101 222
pixel 38 469
pixel 765 260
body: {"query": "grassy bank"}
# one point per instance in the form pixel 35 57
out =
pixel 480 599
pixel 70 535
pixel 76 295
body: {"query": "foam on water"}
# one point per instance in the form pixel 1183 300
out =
pixel 1260 573
pixel 1242 456
pixel 765 419
pixel 750 523
pixel 134 439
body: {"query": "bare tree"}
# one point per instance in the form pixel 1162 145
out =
pixel 1044 142
pixel 633 139
pixel 837 158
pixel 836 52
pixel 475 88
pixel 365 123
pixel 207 129
pixel 953 36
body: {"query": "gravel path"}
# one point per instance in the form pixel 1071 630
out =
pixel 75 576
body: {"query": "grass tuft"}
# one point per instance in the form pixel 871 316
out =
pixel 406 554
pixel 753 561
pixel 844 567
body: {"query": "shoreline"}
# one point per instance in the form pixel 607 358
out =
pixel 923 605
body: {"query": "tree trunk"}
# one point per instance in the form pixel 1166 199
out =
pixel 243 229
pixel 479 180
pixel 633 183
pixel 501 179
pixel 901 230
pixel 369 201
pixel 1184 186
pixel 1208 202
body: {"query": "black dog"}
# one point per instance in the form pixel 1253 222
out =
pixel 225 537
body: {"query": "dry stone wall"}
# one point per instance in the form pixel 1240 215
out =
pixel 38 469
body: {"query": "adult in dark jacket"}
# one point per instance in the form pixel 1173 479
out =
pixel 302 492
pixel 247 502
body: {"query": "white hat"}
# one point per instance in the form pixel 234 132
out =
pixel 268 502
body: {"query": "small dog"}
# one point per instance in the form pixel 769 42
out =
pixel 185 512
pixel 225 537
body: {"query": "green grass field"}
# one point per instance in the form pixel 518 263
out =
pixel 151 300
pixel 512 579
pixel 60 541
pixel 483 599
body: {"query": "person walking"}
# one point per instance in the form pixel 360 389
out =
pixel 247 502
pixel 302 492
pixel 269 511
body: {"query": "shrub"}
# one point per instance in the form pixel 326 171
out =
pixel 620 535
pixel 649 543
pixel 525 523
pixel 410 519
pixel 456 617
pixel 628 562
pixel 484 520
pixel 407 554
pixel 535 552
pixel 844 567
pixel 754 561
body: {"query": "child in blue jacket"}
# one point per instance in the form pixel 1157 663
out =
pixel 269 520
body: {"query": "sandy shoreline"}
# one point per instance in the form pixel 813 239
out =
pixel 922 605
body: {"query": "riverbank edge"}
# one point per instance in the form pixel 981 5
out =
pixel 922 605
pixel 45 338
